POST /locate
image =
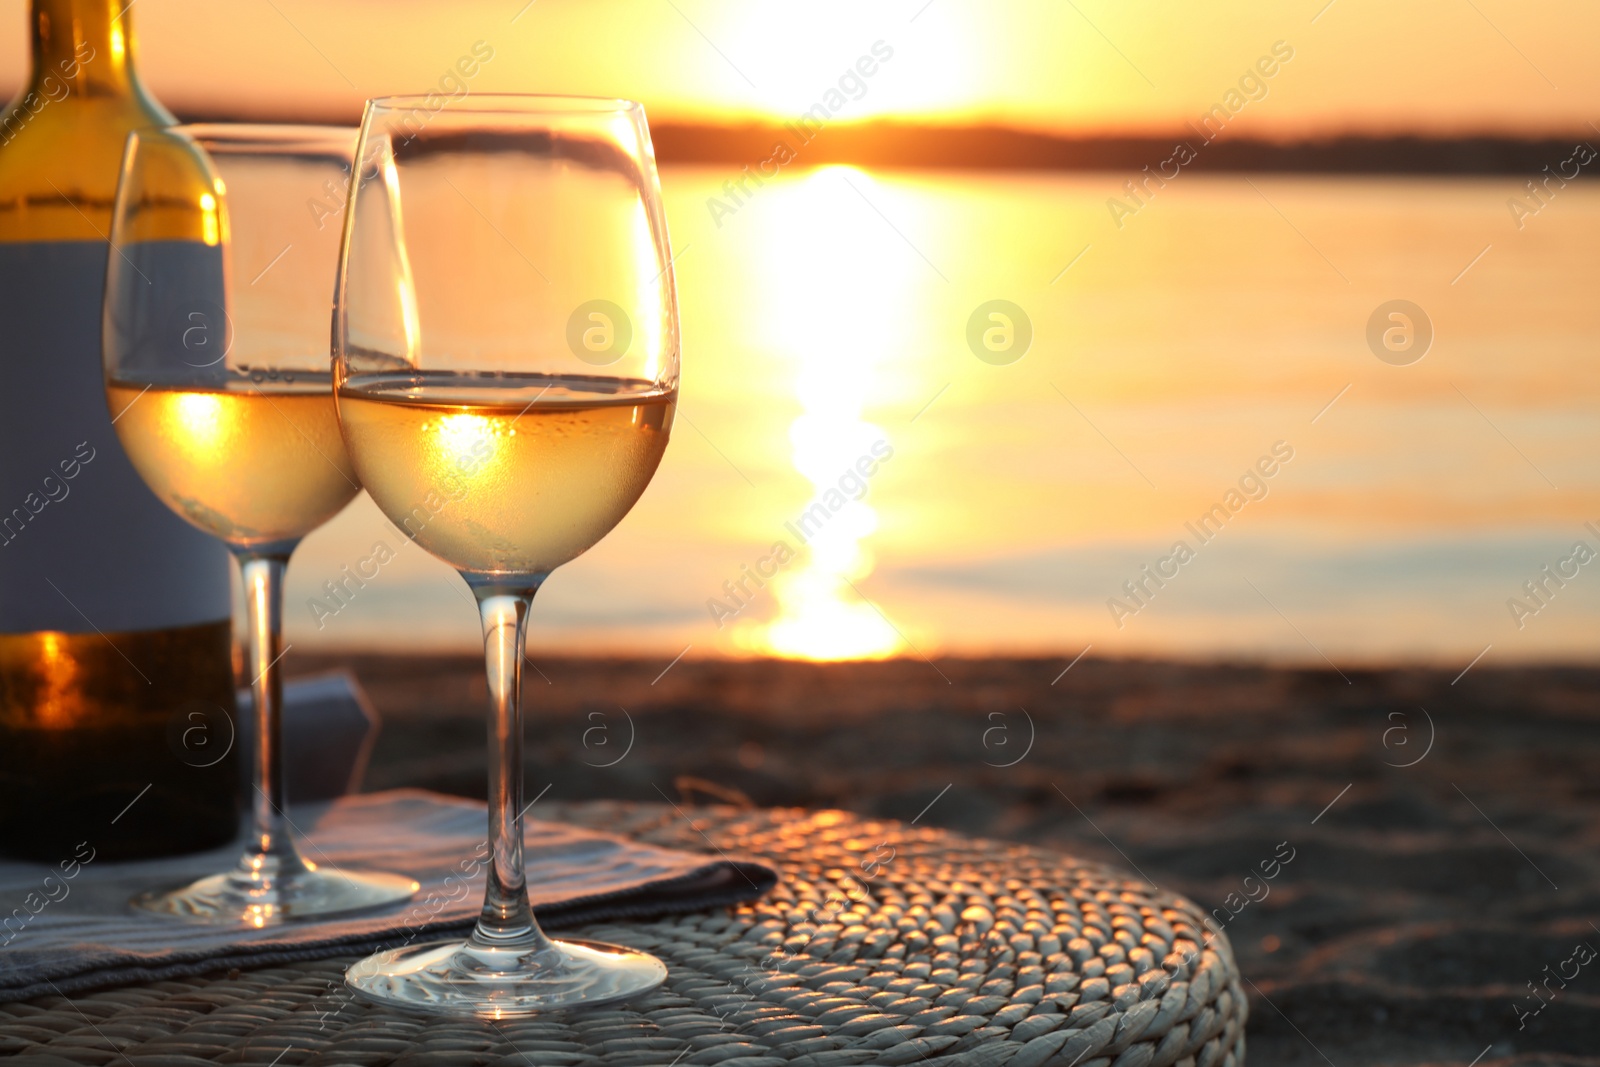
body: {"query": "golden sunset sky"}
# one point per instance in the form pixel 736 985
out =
pixel 1064 66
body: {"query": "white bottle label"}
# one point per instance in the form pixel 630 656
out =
pixel 84 544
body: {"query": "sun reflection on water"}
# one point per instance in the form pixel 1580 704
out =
pixel 833 290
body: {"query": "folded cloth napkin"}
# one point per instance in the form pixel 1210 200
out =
pixel 69 927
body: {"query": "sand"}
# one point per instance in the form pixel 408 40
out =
pixel 1432 845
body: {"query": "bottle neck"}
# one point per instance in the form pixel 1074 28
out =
pixel 82 48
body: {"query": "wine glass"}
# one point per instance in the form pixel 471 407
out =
pixel 506 368
pixel 225 240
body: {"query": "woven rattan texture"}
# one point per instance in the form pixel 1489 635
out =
pixel 882 944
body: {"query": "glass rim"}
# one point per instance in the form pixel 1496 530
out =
pixel 509 104
pixel 257 135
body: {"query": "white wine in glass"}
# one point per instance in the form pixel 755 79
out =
pixel 249 462
pixel 217 380
pixel 545 466
pixel 506 356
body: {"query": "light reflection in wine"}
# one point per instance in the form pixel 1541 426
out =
pixel 201 414
pixel 59 698
pixel 210 218
pixel 832 286
pixel 463 437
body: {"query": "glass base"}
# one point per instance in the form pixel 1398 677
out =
pixel 247 897
pixel 467 978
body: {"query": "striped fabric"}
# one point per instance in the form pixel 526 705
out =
pixel 60 933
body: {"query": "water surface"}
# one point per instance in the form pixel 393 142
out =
pixel 825 315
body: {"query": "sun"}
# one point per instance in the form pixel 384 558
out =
pixel 847 62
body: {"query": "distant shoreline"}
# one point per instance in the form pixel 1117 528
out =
pixel 993 148
pixel 903 145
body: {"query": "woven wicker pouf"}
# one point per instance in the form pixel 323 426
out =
pixel 882 944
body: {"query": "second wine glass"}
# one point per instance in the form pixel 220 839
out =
pixel 223 248
pixel 506 335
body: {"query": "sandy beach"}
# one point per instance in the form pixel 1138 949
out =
pixel 1404 865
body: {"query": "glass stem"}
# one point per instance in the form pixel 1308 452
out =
pixel 507 919
pixel 272 850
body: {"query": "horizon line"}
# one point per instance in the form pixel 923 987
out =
pixel 898 144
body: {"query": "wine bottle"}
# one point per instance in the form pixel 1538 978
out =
pixel 116 672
